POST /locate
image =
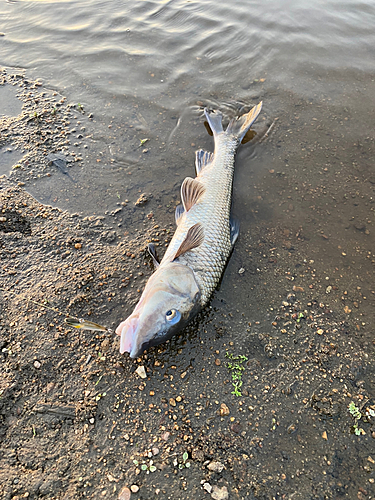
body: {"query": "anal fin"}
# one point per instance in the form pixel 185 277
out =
pixel 234 230
pixel 193 239
pixel 191 191
pixel 202 158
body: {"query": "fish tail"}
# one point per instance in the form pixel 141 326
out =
pixel 239 126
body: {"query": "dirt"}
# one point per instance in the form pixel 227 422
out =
pixel 78 420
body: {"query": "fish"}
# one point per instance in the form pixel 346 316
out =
pixel 85 325
pixel 194 261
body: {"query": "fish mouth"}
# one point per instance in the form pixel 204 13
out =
pixel 128 333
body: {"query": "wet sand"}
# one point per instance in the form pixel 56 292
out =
pixel 296 300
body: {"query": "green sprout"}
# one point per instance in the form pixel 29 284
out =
pixel 300 316
pixel 236 370
pixel 80 107
pixel 150 467
pixel 355 412
pixel 143 141
pixel 34 116
pixel 184 463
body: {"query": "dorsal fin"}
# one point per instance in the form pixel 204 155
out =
pixel 152 251
pixel 191 191
pixel 202 158
pixel 178 213
pixel 193 239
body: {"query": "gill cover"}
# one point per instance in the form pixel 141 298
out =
pixel 170 299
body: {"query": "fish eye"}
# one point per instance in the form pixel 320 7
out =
pixel 172 316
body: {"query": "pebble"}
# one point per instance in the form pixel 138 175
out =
pixel 241 271
pixel 141 372
pixel 134 488
pixel 219 493
pixel 165 436
pixel 3 219
pixel 37 365
pixel 124 494
pixel 207 487
pixel 215 466
pixel 224 410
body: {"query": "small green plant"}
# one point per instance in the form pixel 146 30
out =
pixel 35 116
pixel 143 141
pixel 235 366
pixel 300 316
pixel 184 463
pixel 101 356
pixel 147 467
pixel 80 107
pixel 355 412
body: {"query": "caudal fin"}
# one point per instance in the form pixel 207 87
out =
pixel 237 126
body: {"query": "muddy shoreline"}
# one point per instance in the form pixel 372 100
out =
pixel 77 419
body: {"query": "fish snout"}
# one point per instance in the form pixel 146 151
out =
pixel 127 330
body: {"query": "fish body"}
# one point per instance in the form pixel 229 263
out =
pixel 197 254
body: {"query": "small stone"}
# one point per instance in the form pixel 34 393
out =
pixel 92 421
pixel 217 362
pixel 37 365
pixel 78 246
pixel 172 402
pixel 219 493
pixel 241 270
pixel 215 466
pixel 134 488
pixel 298 289
pixel 124 494
pixel 3 219
pixel 207 487
pixel 155 451
pixel 224 410
pixel 165 436
pixel 141 372
pixel 325 436
pixel 141 200
pixel 320 331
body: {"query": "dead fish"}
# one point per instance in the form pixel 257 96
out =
pixel 60 162
pixel 196 257
pixel 85 325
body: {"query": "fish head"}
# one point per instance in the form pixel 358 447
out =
pixel 170 299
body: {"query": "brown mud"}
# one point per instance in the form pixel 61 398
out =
pixel 78 420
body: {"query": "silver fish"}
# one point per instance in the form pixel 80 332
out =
pixel 195 258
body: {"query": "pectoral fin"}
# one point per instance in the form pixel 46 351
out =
pixel 152 251
pixel 193 239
